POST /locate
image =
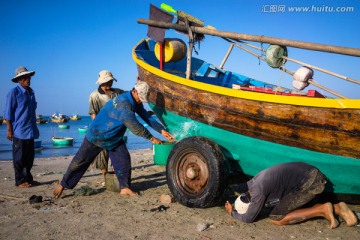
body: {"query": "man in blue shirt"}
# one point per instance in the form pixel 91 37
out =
pixel 106 131
pixel 287 187
pixel 20 115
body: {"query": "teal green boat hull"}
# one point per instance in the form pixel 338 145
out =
pixel 254 155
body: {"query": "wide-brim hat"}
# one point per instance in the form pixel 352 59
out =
pixel 142 89
pixel 105 76
pixel 20 72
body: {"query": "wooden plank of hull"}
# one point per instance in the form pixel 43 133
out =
pixel 327 130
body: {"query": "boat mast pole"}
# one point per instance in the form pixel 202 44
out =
pixel 255 38
pixel 227 55
pixel 191 45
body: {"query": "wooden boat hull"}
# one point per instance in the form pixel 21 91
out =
pixel 259 130
pixel 63 141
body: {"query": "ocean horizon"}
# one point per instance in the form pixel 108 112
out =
pixel 48 130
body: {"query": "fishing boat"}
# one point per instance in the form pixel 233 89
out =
pixel 75 117
pixel 64 126
pixel 59 118
pixel 82 129
pixel 40 119
pixel 62 141
pixel 227 124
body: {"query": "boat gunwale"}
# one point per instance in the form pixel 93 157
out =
pixel 256 96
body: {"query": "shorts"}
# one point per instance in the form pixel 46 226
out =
pixel 314 185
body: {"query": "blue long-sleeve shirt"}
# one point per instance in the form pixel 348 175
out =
pixel 109 126
pixel 273 183
pixel 20 109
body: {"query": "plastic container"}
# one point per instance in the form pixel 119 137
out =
pixel 161 152
pixel 174 50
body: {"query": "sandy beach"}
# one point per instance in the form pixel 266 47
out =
pixel 106 215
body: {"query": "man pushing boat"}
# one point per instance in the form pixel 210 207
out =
pixel 106 132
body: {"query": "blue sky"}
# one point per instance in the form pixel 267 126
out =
pixel 68 42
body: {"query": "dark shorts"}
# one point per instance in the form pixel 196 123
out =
pixel 313 185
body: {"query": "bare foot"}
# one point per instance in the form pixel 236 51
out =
pixel 128 192
pixel 345 213
pixel 58 191
pixel 329 215
pixel 24 185
pixel 228 207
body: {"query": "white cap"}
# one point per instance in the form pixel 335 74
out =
pixel 241 205
pixel 142 89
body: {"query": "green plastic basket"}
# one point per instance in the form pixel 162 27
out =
pixel 161 152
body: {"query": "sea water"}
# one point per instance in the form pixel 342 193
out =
pixel 48 130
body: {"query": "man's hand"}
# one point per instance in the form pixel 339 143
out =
pixel 10 132
pixel 228 207
pixel 10 135
pixel 155 140
pixel 167 135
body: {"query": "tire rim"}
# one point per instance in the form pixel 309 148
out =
pixel 192 173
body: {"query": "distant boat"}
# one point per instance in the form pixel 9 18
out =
pixel 64 126
pixel 60 118
pixel 40 119
pixel 62 141
pixel 75 117
pixel 82 130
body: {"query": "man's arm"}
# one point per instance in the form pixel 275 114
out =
pixel 10 131
pixel 153 123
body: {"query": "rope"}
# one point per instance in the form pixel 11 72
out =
pixel 293 60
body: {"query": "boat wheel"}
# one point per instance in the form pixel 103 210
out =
pixel 197 172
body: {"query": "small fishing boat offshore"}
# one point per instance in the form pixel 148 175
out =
pixel 82 129
pixel 227 124
pixel 59 118
pixel 75 117
pixel 64 126
pixel 62 141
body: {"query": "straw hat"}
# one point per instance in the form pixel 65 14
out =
pixel 142 89
pixel 105 76
pixel 20 72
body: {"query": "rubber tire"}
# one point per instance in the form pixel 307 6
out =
pixel 217 178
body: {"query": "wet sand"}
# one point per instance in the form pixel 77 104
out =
pixel 106 215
